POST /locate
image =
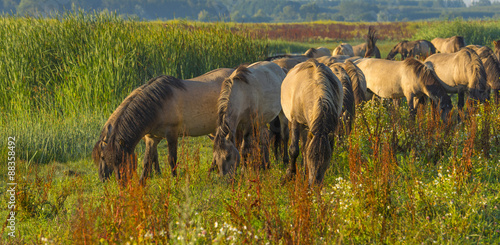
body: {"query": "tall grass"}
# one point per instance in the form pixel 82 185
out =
pixel 475 32
pixel 62 76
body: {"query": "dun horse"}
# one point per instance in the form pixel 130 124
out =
pixel 317 52
pixel 422 48
pixel 460 72
pixel 311 96
pixel 448 45
pixel 249 99
pixel 492 68
pixel 409 78
pixel 162 108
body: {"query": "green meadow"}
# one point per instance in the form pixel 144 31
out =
pixel 392 181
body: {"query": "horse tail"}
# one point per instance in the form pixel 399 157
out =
pixel 358 81
pixel 371 40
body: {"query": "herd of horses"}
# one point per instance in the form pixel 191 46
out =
pixel 309 98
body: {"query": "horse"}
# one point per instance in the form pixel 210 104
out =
pixel 460 72
pixel 448 45
pixel 348 103
pixel 410 78
pixel 412 49
pixel 162 108
pixel 311 97
pixel 366 49
pixel 317 52
pixel 491 66
pixel 249 99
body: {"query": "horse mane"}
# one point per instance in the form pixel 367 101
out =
pixel 371 40
pixel 478 71
pixel 141 110
pixel 310 52
pixel 357 78
pixel 426 77
pixel 459 43
pixel 348 104
pixel 491 66
pixel 223 102
pixel 431 46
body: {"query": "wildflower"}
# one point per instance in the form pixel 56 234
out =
pixel 216 224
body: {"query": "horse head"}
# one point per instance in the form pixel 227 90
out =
pixel 225 155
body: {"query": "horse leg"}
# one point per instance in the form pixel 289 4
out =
pixel 150 157
pixel 294 150
pixel 172 139
pixel 496 95
pixel 285 135
pixel 411 106
pixel 264 147
pixel 461 100
pixel 275 128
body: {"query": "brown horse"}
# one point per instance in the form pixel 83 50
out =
pixel 348 105
pixel 311 97
pixel 460 72
pixel 409 78
pixel 422 48
pixel 492 68
pixel 162 108
pixel 249 99
pixel 448 45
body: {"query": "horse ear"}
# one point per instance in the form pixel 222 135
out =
pixel 211 137
pixel 108 133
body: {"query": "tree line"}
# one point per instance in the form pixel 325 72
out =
pixel 265 10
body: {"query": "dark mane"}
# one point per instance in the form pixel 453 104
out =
pixel 223 102
pixel 348 104
pixel 356 76
pixel 311 52
pixel 431 46
pixel 491 66
pixel 459 43
pixel 141 110
pixel 478 71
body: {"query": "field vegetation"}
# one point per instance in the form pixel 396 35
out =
pixel 392 180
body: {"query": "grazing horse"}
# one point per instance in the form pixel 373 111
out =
pixel 448 45
pixel 367 49
pixel 162 108
pixel 311 97
pixel 249 99
pixel 348 105
pixel 412 49
pixel 317 52
pixel 492 68
pixel 460 72
pixel 409 78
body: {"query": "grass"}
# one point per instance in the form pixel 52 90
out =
pixel 392 181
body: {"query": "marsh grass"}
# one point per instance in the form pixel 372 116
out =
pixel 392 181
